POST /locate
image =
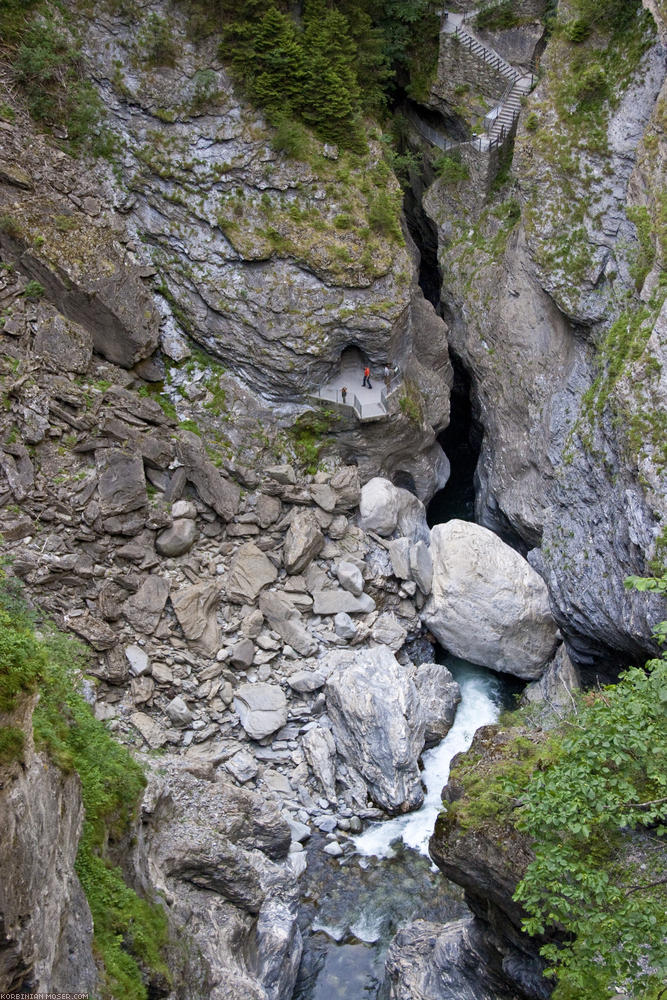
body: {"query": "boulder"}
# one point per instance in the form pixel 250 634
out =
pixel 268 510
pixel 305 681
pixel 283 474
pixel 121 485
pixel 303 542
pixel 178 539
pixel 214 489
pixel 262 709
pixel 242 654
pixel 385 509
pixel 344 627
pixel 242 766
pixel 439 697
pixel 66 345
pixel 144 609
pixel 332 602
pixel 487 604
pixel 196 611
pixel 350 578
pixel 324 496
pixel 286 620
pixel 150 731
pixel 380 736
pixel 421 567
pixel 399 553
pixel 556 684
pixel 249 572
pixel 183 508
pixel 96 632
pixel 320 750
pixel 387 632
pixel 138 660
pixel 178 712
pixel 345 482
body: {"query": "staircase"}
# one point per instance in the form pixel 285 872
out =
pixel 487 55
pixel 510 107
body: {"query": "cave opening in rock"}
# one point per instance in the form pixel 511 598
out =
pixel 461 441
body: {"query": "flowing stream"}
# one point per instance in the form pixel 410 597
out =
pixel 353 906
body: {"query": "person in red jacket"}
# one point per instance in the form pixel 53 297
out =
pixel 367 378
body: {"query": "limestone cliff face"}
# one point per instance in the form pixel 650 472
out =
pixel 554 303
pixel 46 928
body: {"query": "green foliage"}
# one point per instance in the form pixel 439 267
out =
pixel 410 403
pixel 645 257
pixel 290 138
pixel 10 225
pixel 33 290
pixel 331 67
pixel 157 42
pixel 129 933
pixel 609 778
pixel 12 742
pixel 449 169
pixel 307 437
pixel 497 16
pixel 49 68
pixel 383 215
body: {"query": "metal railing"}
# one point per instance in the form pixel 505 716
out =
pixel 489 57
pixel 374 410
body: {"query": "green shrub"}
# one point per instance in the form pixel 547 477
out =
pixel 129 933
pixel 577 30
pixel 290 138
pixel 449 169
pixel 33 291
pixel 532 121
pixel 497 16
pixel 9 225
pixel 157 42
pixel 384 215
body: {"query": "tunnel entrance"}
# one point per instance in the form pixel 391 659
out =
pixel 461 441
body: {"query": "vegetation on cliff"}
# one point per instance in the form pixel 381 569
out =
pixel 129 932
pixel 589 792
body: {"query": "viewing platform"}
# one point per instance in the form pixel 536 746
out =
pixel 367 404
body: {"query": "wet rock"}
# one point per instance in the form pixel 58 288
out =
pixel 178 712
pixel 178 539
pixel 488 605
pixel 196 610
pixel 332 602
pixel 242 654
pixel 381 737
pixel 442 962
pixel 556 684
pixel 350 578
pixel 214 489
pixel 439 697
pixel 144 609
pixel 138 661
pixel 320 750
pixel 421 567
pixel 121 485
pixel 287 622
pixel 262 709
pixel 249 572
pixel 344 627
pixel 303 542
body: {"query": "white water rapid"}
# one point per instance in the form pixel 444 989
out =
pixel 480 706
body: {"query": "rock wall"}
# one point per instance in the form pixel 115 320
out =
pixel 569 466
pixel 46 929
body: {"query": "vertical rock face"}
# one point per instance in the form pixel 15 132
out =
pixel 557 318
pixel 46 928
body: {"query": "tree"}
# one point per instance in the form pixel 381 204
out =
pixel 597 820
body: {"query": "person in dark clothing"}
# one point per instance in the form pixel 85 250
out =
pixel 367 378
pixel 343 392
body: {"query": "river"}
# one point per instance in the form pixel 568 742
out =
pixel 354 905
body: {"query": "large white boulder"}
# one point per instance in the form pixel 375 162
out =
pixel 377 724
pixel 385 508
pixel 487 604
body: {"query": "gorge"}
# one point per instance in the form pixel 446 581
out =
pixel 247 624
